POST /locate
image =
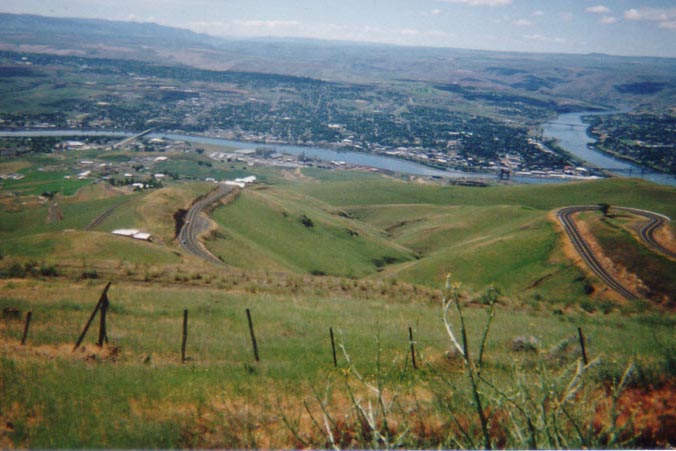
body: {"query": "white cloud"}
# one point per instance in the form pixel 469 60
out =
pixel 538 13
pixel 608 20
pixel 652 14
pixel 598 9
pixel 481 2
pixel 665 17
pixel 247 27
pixel 522 22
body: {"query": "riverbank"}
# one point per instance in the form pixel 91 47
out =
pixel 362 159
pixel 568 131
pixel 571 133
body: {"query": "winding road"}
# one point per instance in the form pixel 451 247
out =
pixel 646 233
pixel 196 223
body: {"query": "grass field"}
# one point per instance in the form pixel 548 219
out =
pixel 355 225
pixel 263 230
pixel 136 392
pixel 504 236
pixel 379 249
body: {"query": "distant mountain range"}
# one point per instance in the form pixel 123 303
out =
pixel 596 78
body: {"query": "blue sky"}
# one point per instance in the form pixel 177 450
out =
pixel 620 27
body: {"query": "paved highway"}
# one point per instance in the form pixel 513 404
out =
pixel 126 141
pixel 585 251
pixel 196 223
pixel 646 233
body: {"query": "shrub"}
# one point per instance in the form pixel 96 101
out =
pixel 307 222
pixel 91 274
pixel 48 271
pixel 16 271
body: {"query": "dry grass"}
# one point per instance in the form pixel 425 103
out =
pixel 10 167
pixel 665 236
pixel 617 271
pixel 100 190
pixel 156 210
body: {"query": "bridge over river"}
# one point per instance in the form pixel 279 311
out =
pixel 126 141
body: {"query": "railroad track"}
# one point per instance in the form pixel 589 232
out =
pixel 103 216
pixel 646 233
pixel 195 224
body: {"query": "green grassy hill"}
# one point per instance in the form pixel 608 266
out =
pixel 273 230
pixel 499 235
pixel 383 247
pixel 343 224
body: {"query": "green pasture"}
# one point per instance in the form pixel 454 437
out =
pixel 42 94
pixel 496 235
pixel 76 215
pixel 266 230
pixel 357 224
pixel 144 395
pixel 619 192
pixel 36 182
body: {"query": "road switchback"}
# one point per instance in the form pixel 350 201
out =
pixel 655 221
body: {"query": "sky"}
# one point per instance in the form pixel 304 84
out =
pixel 618 27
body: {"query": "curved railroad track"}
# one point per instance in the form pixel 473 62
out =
pixel 196 223
pixel 646 233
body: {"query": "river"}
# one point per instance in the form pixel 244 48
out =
pixel 568 129
pixel 571 133
pixel 353 158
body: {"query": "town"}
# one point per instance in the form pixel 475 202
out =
pixel 277 110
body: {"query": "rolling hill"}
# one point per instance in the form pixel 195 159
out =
pixel 575 80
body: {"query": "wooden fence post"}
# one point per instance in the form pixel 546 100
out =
pixel 29 315
pixel 333 348
pixel 410 337
pixel 253 336
pixel 103 335
pixel 185 335
pixel 582 345
pixel 91 317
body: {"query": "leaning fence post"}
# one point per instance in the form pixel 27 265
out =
pixel 91 318
pixel 253 336
pixel 410 337
pixel 333 348
pixel 582 345
pixel 29 315
pixel 185 334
